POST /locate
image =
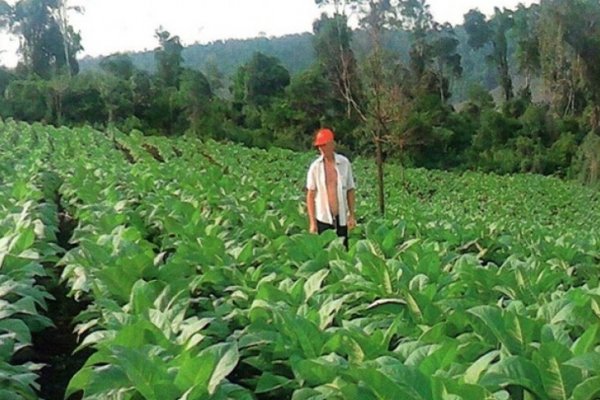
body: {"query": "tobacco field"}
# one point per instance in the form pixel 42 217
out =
pixel 136 267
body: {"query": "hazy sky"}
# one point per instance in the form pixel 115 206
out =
pixel 109 26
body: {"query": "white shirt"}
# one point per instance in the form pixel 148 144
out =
pixel 345 182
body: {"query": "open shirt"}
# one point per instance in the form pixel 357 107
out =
pixel 345 182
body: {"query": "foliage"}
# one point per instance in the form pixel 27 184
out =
pixel 202 281
pixel 589 159
pixel 49 45
pixel 493 32
pixel 376 81
pixel 168 58
pixel 259 81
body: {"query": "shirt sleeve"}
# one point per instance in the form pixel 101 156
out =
pixel 350 184
pixel 311 181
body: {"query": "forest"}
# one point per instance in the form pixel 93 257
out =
pixel 517 91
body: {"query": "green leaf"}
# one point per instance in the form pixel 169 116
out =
pixel 269 382
pixel 514 370
pixel 303 331
pixel 588 389
pixel 94 381
pixel 245 254
pixel 140 333
pixel 22 241
pixel 228 358
pixel 587 341
pixel 420 384
pixel 18 327
pixel 439 359
pixel 513 331
pixel 559 379
pixel 589 362
pixel 375 269
pixel 463 391
pixel 7 346
pixel 148 374
pixel 383 387
pixel 313 284
pixel 143 295
pixel 208 368
pixel 328 311
pixel 474 372
pixel 308 394
pixel 119 281
pixel 10 395
pixel 388 306
pixel 342 343
pixel 318 371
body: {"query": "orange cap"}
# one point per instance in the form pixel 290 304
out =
pixel 323 136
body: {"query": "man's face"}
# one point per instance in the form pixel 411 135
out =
pixel 327 149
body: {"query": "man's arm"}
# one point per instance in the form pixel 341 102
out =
pixel 351 218
pixel 310 207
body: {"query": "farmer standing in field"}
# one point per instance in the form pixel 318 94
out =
pixel 330 189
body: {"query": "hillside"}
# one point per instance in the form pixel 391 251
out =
pixel 294 51
pixel 296 55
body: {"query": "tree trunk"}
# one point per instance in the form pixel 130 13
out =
pixel 58 105
pixel 441 83
pixel 111 115
pixel 506 81
pixel 62 15
pixel 440 75
pixel 379 159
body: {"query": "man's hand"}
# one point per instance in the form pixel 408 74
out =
pixel 313 227
pixel 351 222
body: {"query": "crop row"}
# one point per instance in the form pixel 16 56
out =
pixel 28 228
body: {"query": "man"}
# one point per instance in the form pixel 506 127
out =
pixel 330 189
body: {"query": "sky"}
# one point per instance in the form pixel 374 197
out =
pixel 110 26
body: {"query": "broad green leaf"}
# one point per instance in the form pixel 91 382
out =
pixel 10 395
pixel 245 254
pixel 18 327
pixel 22 241
pixel 587 341
pixel 383 387
pixel 269 382
pixel 475 371
pixel 7 346
pixel 95 381
pixel 328 311
pixel 559 379
pixel 509 329
pixel 208 368
pixel 588 389
pixel 463 391
pixel 392 306
pixel 118 281
pixel 318 371
pixel 303 331
pixel 314 283
pixel 589 361
pixel 419 383
pixel 342 343
pixel 143 295
pixel 514 370
pixel 147 374
pixel 439 359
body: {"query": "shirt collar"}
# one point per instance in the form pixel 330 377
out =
pixel 335 155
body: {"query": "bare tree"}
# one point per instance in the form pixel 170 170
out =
pixel 376 95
